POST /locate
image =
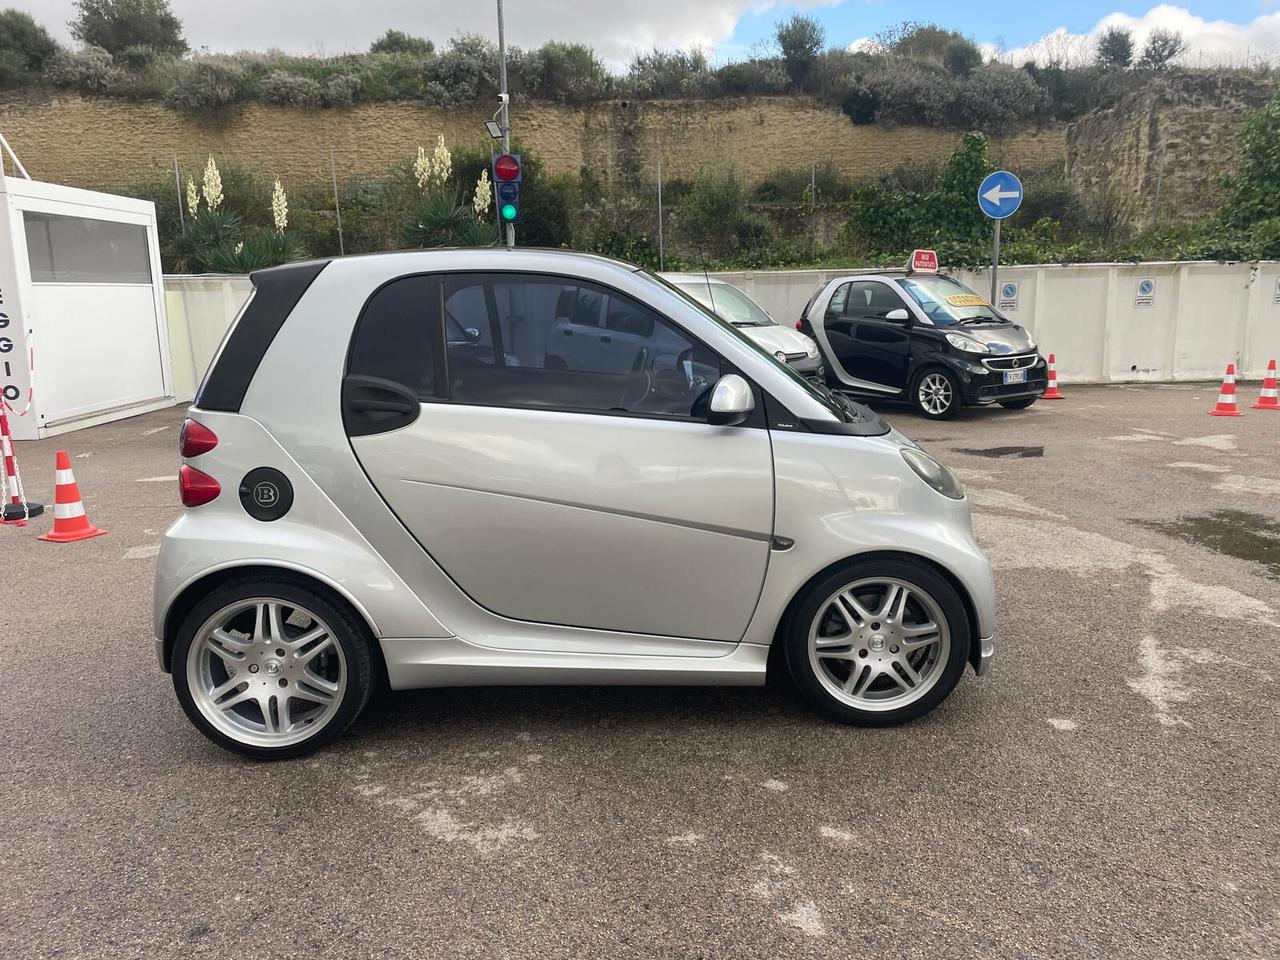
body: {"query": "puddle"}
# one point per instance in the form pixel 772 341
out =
pixel 1245 536
pixel 1008 453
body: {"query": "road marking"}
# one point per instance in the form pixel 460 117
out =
pixel 1263 486
pixel 167 478
pixel 141 553
pixel 153 430
pixel 1215 441
pixel 685 840
pixel 806 918
pixel 1064 725
pixel 1161 683
pixel 777 786
pixel 1202 467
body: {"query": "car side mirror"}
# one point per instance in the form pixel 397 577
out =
pixel 472 334
pixel 731 401
pixel 898 316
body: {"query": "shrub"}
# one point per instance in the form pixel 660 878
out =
pixel 288 89
pixel 89 68
pixel 1162 48
pixel 670 73
pixel 465 73
pixel 910 92
pixel 25 44
pixel 341 90
pixel 206 85
pixel 860 103
pixel 758 77
pixel 396 41
pixel 116 25
pixel 566 72
pixel 442 219
pixel 997 96
pixel 390 76
pixel 255 251
pixel 800 39
pixel 137 57
pixel 1255 190
pixel 961 57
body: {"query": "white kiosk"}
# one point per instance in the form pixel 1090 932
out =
pixel 83 337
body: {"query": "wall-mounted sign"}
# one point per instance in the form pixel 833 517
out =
pixel 1277 299
pixel 1008 295
pixel 1146 292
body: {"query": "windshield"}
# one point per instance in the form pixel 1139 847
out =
pixel 728 302
pixel 946 301
pixel 838 405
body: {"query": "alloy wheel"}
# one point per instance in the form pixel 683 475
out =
pixel 935 393
pixel 879 644
pixel 266 672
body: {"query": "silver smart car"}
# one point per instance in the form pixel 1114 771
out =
pixel 397 468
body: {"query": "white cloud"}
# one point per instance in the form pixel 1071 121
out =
pixel 1209 42
pixel 617 29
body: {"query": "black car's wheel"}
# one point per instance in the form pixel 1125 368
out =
pixel 878 642
pixel 936 394
pixel 1018 404
pixel 271 668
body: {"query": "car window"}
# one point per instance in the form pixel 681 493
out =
pixel 558 342
pixel 946 301
pixel 729 303
pixel 838 300
pixel 872 300
pixel 393 338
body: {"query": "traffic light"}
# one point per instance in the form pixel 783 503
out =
pixel 508 172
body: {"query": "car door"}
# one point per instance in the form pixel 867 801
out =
pixel 881 349
pixel 583 491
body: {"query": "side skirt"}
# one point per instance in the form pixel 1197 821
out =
pixel 452 662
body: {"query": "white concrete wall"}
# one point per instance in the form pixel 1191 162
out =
pixel 1203 316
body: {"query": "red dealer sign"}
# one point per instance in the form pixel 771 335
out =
pixel 924 261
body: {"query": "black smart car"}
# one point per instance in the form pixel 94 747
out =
pixel 923 338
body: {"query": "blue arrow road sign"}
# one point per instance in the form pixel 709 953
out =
pixel 1000 195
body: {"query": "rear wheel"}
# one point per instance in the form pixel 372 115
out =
pixel 1018 404
pixel 271 668
pixel 936 394
pixel 878 642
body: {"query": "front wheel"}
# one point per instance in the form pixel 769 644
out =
pixel 936 394
pixel 271 668
pixel 878 642
pixel 1018 404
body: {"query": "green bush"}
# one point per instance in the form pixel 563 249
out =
pixel 564 72
pixel 464 73
pixel 961 57
pixel 1254 192
pixel 995 97
pixel 341 90
pixel 396 41
pixel 137 57
pixel 255 251
pixel 445 219
pixel 289 90
pixel 90 69
pixel 758 77
pixel 670 73
pixel 801 39
pixel 206 85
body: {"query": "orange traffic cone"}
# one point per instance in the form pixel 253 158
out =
pixel 1052 393
pixel 1226 405
pixel 69 520
pixel 1268 399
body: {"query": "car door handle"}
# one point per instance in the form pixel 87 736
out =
pixel 567 333
pixel 366 405
pixel 605 338
pixel 375 405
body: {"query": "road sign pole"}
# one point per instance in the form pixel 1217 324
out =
pixel 995 262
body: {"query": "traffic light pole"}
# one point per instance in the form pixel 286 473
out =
pixel 506 102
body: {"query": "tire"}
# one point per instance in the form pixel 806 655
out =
pixel 256 693
pixel 929 391
pixel 857 682
pixel 1018 404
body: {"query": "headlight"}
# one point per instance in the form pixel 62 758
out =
pixel 782 357
pixel 934 474
pixel 811 348
pixel 967 344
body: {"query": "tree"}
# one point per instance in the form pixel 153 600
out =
pixel 801 40
pixel 1115 48
pixel 23 42
pixel 1163 47
pixel 397 41
pixel 1255 189
pixel 116 25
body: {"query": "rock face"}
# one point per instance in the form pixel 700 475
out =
pixel 1160 153
pixel 108 143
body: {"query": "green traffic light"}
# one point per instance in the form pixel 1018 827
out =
pixel 508 211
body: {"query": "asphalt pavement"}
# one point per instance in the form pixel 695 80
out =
pixel 1108 790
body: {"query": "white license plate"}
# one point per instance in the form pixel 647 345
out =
pixel 1015 376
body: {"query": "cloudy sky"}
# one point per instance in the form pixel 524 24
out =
pixel 1217 30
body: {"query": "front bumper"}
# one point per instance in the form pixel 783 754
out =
pixel 986 651
pixel 980 384
pixel 808 367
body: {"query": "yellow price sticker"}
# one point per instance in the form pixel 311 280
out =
pixel 966 300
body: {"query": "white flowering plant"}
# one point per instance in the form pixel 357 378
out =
pixel 279 207
pixel 212 185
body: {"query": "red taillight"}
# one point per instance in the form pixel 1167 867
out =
pixel 800 324
pixel 196 487
pixel 196 438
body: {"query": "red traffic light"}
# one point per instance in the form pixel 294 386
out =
pixel 506 167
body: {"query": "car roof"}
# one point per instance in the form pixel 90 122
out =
pixel 693 278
